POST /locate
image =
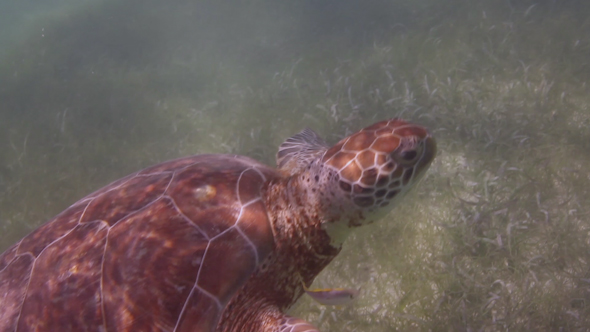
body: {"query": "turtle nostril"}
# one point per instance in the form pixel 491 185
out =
pixel 409 155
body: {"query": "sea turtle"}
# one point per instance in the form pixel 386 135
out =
pixel 208 242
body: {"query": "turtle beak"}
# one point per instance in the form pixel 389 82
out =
pixel 428 154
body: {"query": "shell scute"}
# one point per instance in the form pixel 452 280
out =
pixel 74 287
pixel 49 232
pixel 130 196
pixel 215 203
pixel 194 189
pixel 256 232
pixel 227 255
pixel 219 220
pixel 161 262
pixel 209 202
pixel 13 284
pixel 249 184
pixel 201 313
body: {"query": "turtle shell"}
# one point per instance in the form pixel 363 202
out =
pixel 163 249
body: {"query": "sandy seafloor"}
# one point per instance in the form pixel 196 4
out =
pixel 495 238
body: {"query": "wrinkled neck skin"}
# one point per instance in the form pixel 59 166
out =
pixel 312 202
pixel 334 213
pixel 303 248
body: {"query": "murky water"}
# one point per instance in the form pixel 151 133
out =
pixel 495 238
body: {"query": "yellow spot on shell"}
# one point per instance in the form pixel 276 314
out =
pixel 205 193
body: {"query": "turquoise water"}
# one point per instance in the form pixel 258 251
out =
pixel 496 237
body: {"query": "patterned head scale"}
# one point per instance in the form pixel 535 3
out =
pixel 380 162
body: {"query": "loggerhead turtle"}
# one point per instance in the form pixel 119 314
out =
pixel 208 242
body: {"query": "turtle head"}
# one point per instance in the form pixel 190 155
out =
pixel 362 177
pixel 376 166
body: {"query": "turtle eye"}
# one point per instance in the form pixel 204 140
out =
pixel 408 151
pixel 406 157
pixel 409 155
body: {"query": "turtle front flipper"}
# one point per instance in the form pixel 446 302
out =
pixel 294 324
pixel 298 151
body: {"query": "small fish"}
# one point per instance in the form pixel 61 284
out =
pixel 332 296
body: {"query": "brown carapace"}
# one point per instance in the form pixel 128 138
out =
pixel 209 242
